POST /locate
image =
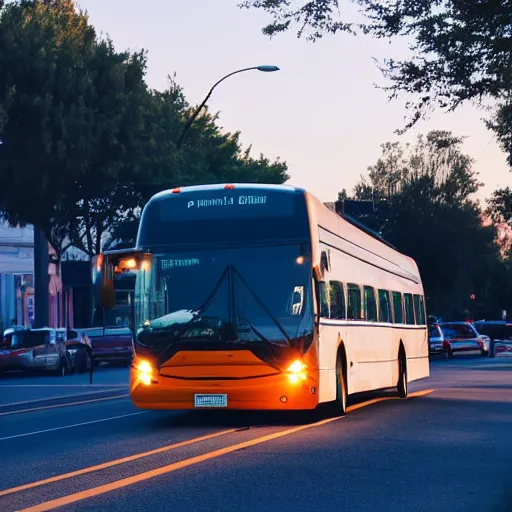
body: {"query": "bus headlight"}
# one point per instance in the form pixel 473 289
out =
pixel 145 372
pixel 297 372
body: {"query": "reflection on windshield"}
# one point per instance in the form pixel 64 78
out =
pixel 119 317
pixel 250 295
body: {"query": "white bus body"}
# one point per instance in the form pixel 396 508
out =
pixel 371 347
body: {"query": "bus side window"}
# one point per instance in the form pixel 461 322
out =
pixel 370 304
pixel 384 306
pixel 324 300
pixel 409 309
pixel 353 302
pixel 419 308
pixel 398 308
pixel 338 303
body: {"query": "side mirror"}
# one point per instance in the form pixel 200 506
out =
pixel 105 268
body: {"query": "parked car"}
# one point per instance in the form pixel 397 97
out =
pixel 461 337
pixel 112 345
pixel 33 349
pixel 499 333
pixel 79 349
pixel 435 339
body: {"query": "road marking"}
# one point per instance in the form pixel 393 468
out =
pixel 117 462
pixel 71 426
pixel 102 489
pixel 60 397
pixel 67 404
pixel 420 393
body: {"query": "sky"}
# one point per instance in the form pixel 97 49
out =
pixel 321 113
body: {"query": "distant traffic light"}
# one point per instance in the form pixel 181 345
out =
pixel 472 296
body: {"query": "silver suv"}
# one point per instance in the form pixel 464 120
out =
pixel 33 349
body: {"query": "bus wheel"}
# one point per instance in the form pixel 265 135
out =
pixel 402 386
pixel 339 406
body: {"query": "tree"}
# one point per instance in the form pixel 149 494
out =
pixel 423 206
pixel 208 156
pixel 500 212
pixel 436 160
pixel 500 206
pixel 71 112
pixel 84 142
pixel 461 49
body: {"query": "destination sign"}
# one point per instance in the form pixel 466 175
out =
pixel 227 201
pixel 187 262
pixel 220 204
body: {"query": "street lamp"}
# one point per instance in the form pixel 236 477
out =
pixel 264 69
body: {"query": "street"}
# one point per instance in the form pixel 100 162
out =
pixel 446 448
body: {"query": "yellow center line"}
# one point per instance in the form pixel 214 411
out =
pixel 115 462
pixel 67 404
pixel 125 482
pixel 422 392
pixel 354 407
pixel 102 489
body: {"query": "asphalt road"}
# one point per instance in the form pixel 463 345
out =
pixel 446 450
pixel 18 388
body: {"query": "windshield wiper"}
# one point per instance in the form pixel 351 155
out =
pixel 252 328
pixel 262 304
pixel 162 356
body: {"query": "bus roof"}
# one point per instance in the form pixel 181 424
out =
pixel 372 244
pixel 227 186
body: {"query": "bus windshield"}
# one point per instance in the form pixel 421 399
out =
pixel 242 296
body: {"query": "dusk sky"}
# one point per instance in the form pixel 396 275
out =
pixel 321 113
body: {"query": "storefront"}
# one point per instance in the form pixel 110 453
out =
pixel 17 305
pixel 16 275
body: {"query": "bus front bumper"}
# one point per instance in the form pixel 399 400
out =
pixel 276 392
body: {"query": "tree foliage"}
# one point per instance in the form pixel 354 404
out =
pixel 462 50
pixel 500 206
pixel 207 156
pixel 423 206
pixel 72 107
pixel 84 142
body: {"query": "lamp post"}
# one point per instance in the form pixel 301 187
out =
pixel 264 69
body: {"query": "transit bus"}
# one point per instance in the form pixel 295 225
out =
pixel 260 297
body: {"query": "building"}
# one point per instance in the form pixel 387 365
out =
pixel 17 305
pixel 16 275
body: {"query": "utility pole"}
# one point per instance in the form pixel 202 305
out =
pixel 41 262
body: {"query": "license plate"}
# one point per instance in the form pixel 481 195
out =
pixel 210 400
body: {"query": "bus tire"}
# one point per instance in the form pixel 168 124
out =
pixel 402 385
pixel 339 406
